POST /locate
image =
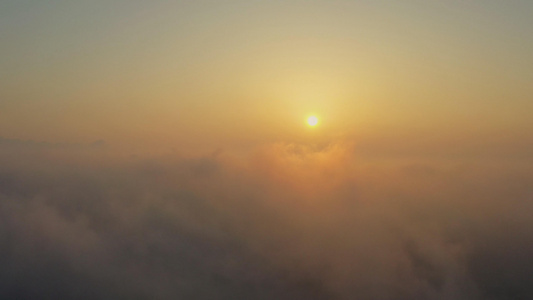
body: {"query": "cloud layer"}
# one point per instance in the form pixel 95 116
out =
pixel 284 221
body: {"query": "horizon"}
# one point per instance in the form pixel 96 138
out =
pixel 266 149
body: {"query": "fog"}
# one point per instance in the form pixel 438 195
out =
pixel 281 221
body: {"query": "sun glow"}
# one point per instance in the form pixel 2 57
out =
pixel 312 121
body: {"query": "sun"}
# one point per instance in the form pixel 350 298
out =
pixel 312 121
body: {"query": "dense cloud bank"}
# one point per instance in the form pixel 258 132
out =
pixel 281 222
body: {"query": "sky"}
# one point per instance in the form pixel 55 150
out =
pixel 209 73
pixel 160 150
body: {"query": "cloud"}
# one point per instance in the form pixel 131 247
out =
pixel 285 221
pixel 6 144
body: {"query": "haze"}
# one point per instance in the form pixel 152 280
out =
pixel 161 149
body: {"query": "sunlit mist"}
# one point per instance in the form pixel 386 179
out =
pixel 235 150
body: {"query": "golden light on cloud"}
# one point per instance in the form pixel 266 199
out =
pixel 312 121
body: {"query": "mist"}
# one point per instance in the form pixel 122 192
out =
pixel 281 221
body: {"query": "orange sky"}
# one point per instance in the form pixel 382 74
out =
pixel 209 75
pixel 160 149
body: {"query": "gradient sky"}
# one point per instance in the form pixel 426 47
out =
pixel 159 150
pixel 216 73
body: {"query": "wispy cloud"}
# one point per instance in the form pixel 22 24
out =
pixel 286 221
